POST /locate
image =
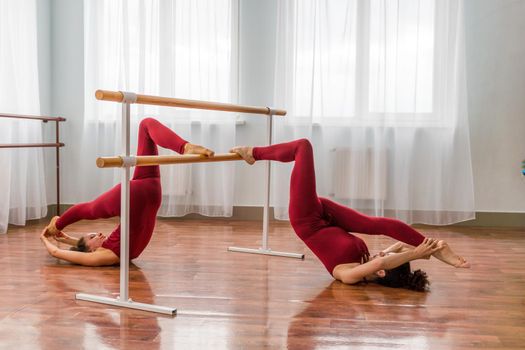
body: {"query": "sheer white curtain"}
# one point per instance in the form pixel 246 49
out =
pixel 21 170
pixel 173 48
pixel 379 88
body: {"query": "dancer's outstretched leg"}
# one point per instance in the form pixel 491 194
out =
pixel 105 206
pixel 353 221
pixel 152 133
pixel 304 203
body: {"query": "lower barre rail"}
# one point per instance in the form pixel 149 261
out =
pixel 118 162
pixel 130 304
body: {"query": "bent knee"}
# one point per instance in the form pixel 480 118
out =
pixel 304 143
pixel 147 121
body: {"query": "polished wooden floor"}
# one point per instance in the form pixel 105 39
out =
pixel 241 301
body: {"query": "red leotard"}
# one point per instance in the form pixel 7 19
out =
pixel 145 193
pixel 323 224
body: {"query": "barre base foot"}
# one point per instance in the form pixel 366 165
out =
pixel 265 252
pixel 128 304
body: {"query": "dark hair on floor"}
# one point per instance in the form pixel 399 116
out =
pixel 81 246
pixel 402 277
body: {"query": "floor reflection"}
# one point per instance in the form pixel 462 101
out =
pixel 73 323
pixel 342 316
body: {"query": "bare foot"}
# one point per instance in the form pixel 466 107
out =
pixel 51 229
pixel 197 149
pixel 245 152
pixel 449 257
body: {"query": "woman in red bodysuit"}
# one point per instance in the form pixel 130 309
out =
pixel 95 249
pixel 325 227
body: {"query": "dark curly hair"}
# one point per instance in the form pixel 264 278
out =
pixel 402 277
pixel 81 246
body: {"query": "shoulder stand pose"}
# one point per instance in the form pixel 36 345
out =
pixel 95 249
pixel 325 228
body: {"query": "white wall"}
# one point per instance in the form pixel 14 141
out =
pixel 44 54
pixel 44 78
pixel 67 47
pixel 495 38
pixel 496 77
pixel 256 57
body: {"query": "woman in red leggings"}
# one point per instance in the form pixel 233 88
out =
pixel 95 249
pixel 325 228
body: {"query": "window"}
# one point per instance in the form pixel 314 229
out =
pixel 364 61
pixel 177 48
pixel 401 55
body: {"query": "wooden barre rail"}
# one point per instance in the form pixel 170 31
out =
pixel 118 162
pixel 117 96
pixel 30 145
pixel 33 117
pixel 57 144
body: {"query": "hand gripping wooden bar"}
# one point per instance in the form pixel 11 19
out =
pixel 118 96
pixel 118 162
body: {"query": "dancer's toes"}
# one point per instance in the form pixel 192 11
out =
pixel 463 263
pixel 245 152
pixel 446 255
pixel 197 149
pixel 51 229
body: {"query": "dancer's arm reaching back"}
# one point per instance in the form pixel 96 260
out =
pixel 99 257
pixel 396 248
pixel 352 273
pixel 63 237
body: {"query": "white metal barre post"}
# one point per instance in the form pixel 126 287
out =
pixel 266 214
pixel 123 299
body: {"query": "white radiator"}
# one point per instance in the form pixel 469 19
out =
pixel 359 174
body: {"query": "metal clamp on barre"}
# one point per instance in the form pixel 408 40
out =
pixel 271 111
pixel 128 162
pixel 128 97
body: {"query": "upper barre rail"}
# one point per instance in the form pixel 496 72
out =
pixel 118 162
pixel 118 96
pixel 32 145
pixel 45 119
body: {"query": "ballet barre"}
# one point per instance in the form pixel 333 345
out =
pixel 118 162
pixel 126 161
pixel 118 96
pixel 57 144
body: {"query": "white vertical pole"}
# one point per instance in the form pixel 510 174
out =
pixel 124 205
pixel 264 249
pixel 266 213
pixel 123 299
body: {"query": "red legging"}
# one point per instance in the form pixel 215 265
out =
pixel 145 193
pixel 323 224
